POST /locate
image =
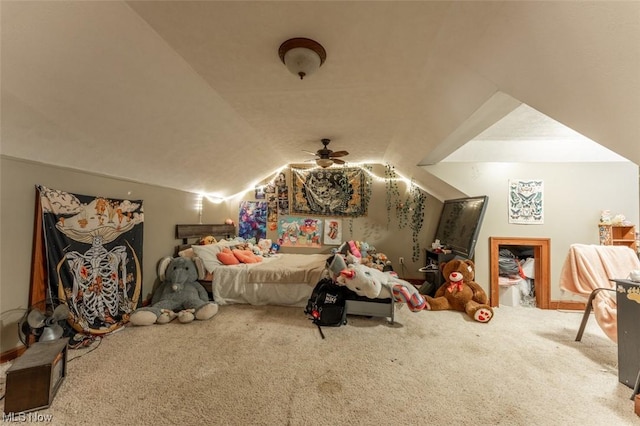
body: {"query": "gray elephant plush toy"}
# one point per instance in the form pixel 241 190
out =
pixel 178 295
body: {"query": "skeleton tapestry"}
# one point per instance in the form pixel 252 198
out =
pixel 329 192
pixel 94 257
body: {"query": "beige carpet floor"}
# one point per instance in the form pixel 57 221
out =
pixel 268 366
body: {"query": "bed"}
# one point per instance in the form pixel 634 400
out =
pixel 281 279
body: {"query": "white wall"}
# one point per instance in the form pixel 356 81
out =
pixel 574 196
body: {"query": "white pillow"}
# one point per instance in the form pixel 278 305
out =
pixel 208 255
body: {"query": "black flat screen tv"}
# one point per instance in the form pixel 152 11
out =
pixel 460 223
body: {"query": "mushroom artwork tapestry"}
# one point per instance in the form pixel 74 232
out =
pixel 94 257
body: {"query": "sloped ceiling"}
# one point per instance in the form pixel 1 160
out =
pixel 192 94
pixel 527 136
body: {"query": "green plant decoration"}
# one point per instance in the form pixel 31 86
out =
pixel 392 193
pixel 419 201
pixel 402 212
pixel 409 211
pixel 368 181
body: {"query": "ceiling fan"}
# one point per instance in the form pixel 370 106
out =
pixel 327 157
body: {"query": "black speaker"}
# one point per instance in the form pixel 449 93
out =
pixel 34 378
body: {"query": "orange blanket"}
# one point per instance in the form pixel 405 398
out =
pixel 588 267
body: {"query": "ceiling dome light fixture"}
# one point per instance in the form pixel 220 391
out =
pixel 302 56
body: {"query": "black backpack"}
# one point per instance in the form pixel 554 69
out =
pixel 326 306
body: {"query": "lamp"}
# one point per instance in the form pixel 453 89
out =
pixel 302 56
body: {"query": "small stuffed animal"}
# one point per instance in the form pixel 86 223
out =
pixel 460 293
pixel 180 291
pixel 209 239
pixel 349 250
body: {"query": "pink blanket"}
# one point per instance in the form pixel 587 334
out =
pixel 588 267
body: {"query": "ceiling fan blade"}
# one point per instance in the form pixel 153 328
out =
pixel 338 161
pixel 36 319
pixel 53 332
pixel 338 154
pixel 60 312
pixel 309 152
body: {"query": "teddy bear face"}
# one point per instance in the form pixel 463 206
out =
pixel 457 270
pixel 209 239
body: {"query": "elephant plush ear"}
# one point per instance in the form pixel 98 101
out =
pixel 202 273
pixel 162 267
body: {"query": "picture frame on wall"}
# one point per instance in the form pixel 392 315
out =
pixel 303 232
pixel 526 201
pixel 332 232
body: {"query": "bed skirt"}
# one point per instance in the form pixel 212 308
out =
pixel 263 294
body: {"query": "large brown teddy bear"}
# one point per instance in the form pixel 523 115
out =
pixel 460 293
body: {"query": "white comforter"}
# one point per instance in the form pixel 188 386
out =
pixel 284 279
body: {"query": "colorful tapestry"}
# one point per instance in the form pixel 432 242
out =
pixel 94 257
pixel 525 202
pixel 253 220
pixel 329 192
pixel 299 232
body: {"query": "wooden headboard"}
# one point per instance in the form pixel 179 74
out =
pixel 185 232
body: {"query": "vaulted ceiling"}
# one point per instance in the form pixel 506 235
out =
pixel 192 94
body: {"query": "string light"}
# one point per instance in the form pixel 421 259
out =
pixel 218 199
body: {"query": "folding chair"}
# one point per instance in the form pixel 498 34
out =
pixel 589 308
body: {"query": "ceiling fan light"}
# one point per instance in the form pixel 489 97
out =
pixel 302 56
pixel 324 162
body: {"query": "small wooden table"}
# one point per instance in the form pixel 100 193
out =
pixel 34 378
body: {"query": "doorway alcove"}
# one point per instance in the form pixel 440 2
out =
pixel 541 254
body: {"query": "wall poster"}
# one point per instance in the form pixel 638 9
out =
pixel 252 221
pixel 282 191
pixel 300 232
pixel 333 231
pixel 525 201
pixel 272 206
